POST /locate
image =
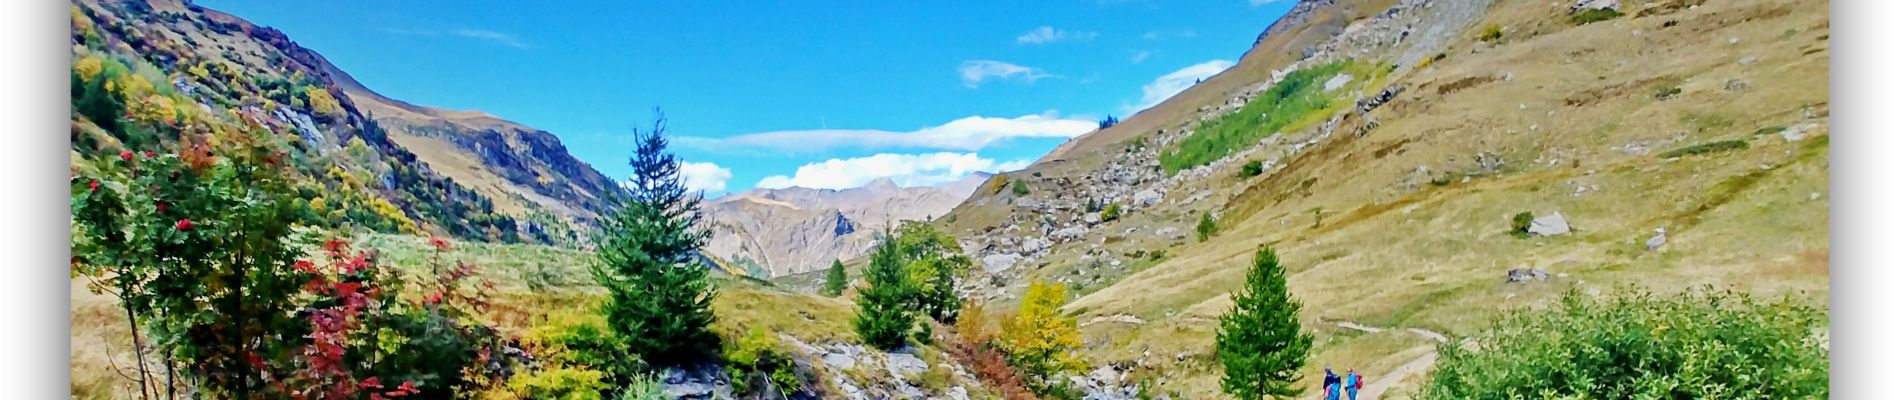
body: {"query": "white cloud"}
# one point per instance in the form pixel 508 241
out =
pixel 904 169
pixel 974 72
pixel 964 134
pixel 501 38
pixel 1139 56
pixel 1165 35
pixel 1047 34
pixel 1257 3
pixel 705 176
pixel 1174 82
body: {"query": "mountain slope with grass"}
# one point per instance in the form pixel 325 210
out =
pixel 1383 148
pixel 160 75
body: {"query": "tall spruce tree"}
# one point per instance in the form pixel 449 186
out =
pixel 834 280
pixel 1260 342
pixel 659 302
pixel 884 309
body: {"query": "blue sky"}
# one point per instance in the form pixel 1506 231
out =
pixel 817 94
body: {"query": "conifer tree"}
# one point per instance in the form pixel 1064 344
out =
pixel 1041 342
pixel 659 301
pixel 834 280
pixel 1206 228
pixel 1260 343
pixel 884 314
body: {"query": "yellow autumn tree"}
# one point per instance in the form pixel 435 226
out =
pixel 321 102
pixel 1041 342
pixel 89 67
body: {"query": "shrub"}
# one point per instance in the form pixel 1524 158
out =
pixel 1706 148
pixel 759 352
pixel 1019 187
pixel 1111 212
pixel 1594 15
pixel 1251 169
pixel 1491 33
pixel 995 184
pixel 1700 344
pixel 1206 228
pixel 1521 223
pixel 1667 92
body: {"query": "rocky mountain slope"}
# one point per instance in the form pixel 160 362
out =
pixel 777 232
pixel 465 174
pixel 1679 143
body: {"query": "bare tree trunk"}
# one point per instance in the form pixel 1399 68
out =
pixel 138 348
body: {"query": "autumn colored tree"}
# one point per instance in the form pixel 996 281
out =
pixel 834 280
pixel 884 316
pixel 1260 343
pixel 1041 342
pixel 659 298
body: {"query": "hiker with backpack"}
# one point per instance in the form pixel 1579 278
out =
pixel 1352 384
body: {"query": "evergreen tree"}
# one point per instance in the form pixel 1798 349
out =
pixel 1260 343
pixel 659 299
pixel 884 314
pixel 834 280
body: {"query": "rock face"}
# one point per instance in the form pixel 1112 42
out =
pixel 1550 225
pixel 775 232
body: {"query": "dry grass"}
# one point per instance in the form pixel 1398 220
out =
pixel 1429 256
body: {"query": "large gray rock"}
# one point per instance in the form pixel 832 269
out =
pixel 1582 5
pixel 1069 233
pixel 1550 225
pixel 1657 242
pixel 904 364
pixel 1146 197
pixel 995 263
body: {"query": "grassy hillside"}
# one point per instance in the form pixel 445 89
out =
pixel 1709 124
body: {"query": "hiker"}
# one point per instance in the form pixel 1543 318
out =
pixel 1331 384
pixel 1352 384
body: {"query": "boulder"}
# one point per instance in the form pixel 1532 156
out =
pixel 1550 225
pixel 1582 5
pixel 1657 242
pixel 1521 275
pixel 1146 197
pixel 904 364
pixel 995 263
pixel 1169 233
pixel 1069 233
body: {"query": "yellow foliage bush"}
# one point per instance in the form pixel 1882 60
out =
pixel 321 102
pixel 390 211
pixel 89 67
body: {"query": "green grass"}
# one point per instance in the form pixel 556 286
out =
pixel 1706 148
pixel 1594 15
pixel 1296 101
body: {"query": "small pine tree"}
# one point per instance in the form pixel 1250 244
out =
pixel 1206 228
pixel 1019 188
pixel 1260 343
pixel 834 280
pixel 659 299
pixel 884 315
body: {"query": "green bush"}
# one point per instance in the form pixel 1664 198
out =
pixel 1297 99
pixel 1206 228
pixel 1706 148
pixel 1594 15
pixel 1702 344
pixel 1521 223
pixel 759 352
pixel 1251 169
pixel 1111 212
pixel 1019 188
pixel 1667 92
